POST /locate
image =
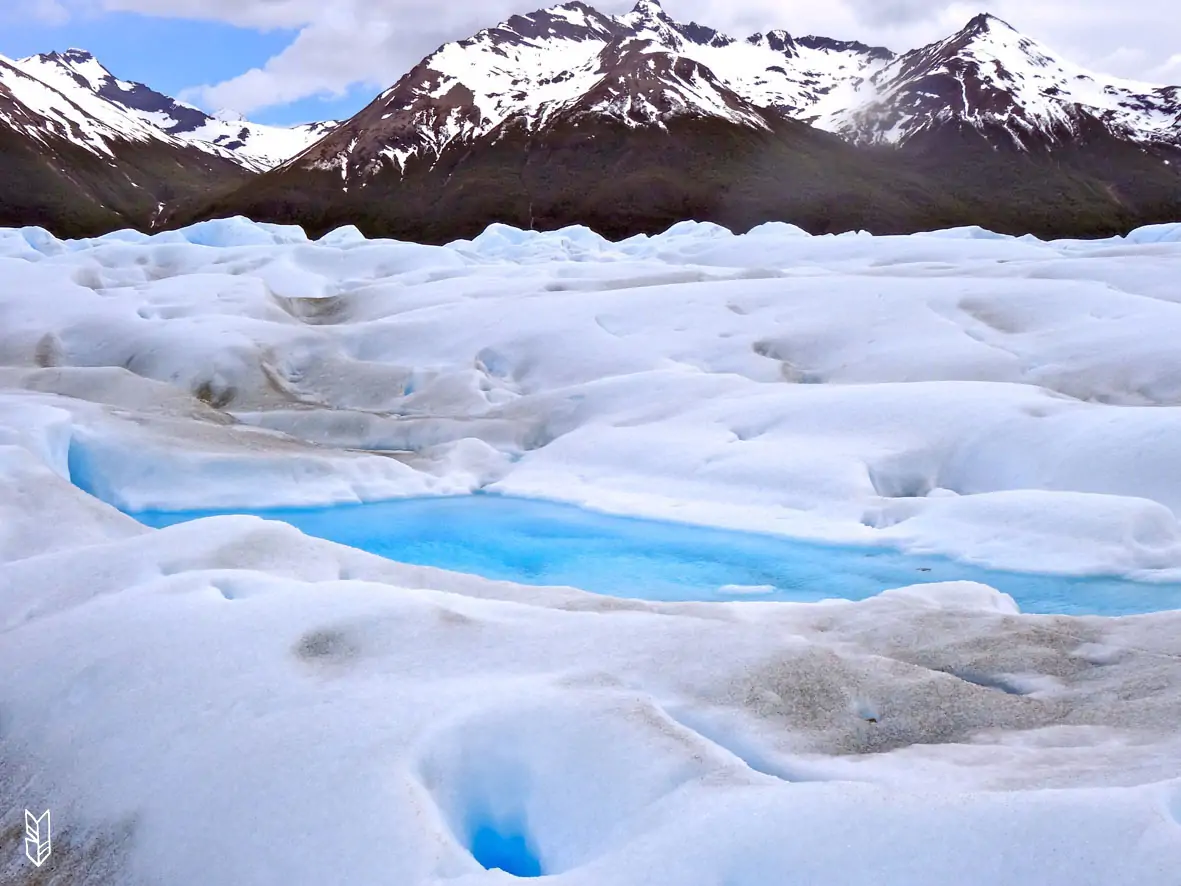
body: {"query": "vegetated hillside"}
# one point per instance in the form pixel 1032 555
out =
pixel 620 180
pixel 82 152
pixel 36 192
pixel 613 178
pixel 81 170
pixel 1091 185
pixel 74 193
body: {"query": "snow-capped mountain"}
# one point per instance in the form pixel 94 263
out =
pixel 570 61
pixel 79 164
pixel 632 122
pixel 38 110
pixel 644 68
pixel 990 76
pixel 135 108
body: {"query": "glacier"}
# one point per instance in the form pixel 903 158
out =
pixel 229 700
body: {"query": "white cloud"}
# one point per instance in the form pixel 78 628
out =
pixel 371 43
pixel 45 12
pixel 1170 71
pixel 340 44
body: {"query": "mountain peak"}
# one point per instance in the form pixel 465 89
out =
pixel 648 10
pixel 649 21
pixel 77 66
pixel 79 63
pixel 73 54
pixel 572 6
pixel 778 40
pixel 1008 88
pixel 986 23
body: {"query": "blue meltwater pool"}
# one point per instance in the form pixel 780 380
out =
pixel 543 543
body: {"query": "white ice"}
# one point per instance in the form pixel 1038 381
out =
pixel 933 392
pixel 228 701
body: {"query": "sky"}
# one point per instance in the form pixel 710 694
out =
pixel 292 61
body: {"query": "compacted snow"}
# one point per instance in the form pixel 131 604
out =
pixel 230 701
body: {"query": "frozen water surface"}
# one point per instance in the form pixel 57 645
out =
pixel 546 543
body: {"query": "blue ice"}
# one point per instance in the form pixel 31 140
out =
pixel 544 543
pixel 508 851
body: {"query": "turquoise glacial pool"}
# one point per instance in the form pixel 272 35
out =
pixel 544 543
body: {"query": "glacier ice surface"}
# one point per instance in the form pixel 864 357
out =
pixel 231 701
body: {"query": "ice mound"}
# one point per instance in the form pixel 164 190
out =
pixel 954 595
pixel 1170 233
pixel 347 235
pixel 968 232
pixel 234 232
pixel 573 243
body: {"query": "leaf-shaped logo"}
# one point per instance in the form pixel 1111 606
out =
pixel 37 846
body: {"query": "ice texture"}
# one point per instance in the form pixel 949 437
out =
pixel 1004 400
pixel 231 701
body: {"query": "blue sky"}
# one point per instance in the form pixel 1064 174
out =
pixel 145 48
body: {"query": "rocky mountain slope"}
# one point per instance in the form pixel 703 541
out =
pixel 989 76
pixel 80 76
pixel 82 152
pixel 80 168
pixel 644 68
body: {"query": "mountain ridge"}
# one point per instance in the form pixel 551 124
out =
pixel 468 87
pixel 77 74
pixel 532 65
pixel 989 73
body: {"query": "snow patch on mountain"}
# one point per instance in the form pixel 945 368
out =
pixel 256 145
pixel 567 61
pixel 133 111
pixel 991 74
pixel 644 68
pixel 38 110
